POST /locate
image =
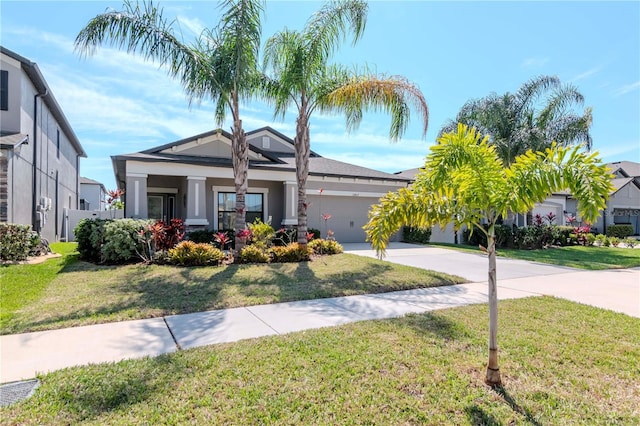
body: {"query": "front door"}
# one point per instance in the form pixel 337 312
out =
pixel 161 207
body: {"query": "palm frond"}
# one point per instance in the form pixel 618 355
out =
pixel 331 24
pixel 141 30
pixel 395 95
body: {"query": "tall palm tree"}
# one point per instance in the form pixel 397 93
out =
pixel 539 113
pixel 300 74
pixel 221 65
pixel 465 180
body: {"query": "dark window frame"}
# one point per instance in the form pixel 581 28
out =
pixel 251 215
pixel 4 90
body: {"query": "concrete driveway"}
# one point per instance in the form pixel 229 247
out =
pixel 471 266
pixel 614 289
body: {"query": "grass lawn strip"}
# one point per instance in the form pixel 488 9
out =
pixel 24 284
pixel 82 293
pixel 558 365
pixel 590 258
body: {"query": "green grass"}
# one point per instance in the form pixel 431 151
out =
pixel 25 284
pixel 72 292
pixel 558 368
pixel 591 258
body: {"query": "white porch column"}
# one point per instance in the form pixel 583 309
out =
pixel 290 217
pixel 136 196
pixel 196 201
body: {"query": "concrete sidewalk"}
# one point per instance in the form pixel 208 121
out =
pixel 24 355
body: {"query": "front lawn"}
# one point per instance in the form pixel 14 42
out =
pixel 561 362
pixel 72 292
pixel 592 258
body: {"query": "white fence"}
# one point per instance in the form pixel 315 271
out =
pixel 71 218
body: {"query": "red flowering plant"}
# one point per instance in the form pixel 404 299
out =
pixel 581 234
pixel 222 239
pixel 326 218
pixel 244 235
pixel 113 200
pixel 160 237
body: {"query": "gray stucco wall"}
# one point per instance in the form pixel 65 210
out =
pixel 56 168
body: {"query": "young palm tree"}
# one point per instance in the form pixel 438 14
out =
pixel 221 65
pixel 517 122
pixel 465 181
pixel 301 75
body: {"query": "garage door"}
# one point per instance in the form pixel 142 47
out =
pixel 348 216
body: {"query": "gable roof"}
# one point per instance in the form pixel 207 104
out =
pixel 626 168
pixel 36 77
pixel 409 173
pixel 263 160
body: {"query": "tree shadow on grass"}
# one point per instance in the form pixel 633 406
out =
pixel 86 394
pixel 523 411
pixel 430 323
pixel 478 417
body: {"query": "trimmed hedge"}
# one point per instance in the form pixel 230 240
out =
pixel 416 235
pixel 110 240
pixel 15 241
pixel 622 230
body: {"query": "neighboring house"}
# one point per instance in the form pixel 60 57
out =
pixel 623 205
pixel 92 195
pixel 192 179
pixel 39 152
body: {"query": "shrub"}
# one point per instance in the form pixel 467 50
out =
pixel 253 254
pixel 293 252
pixel 261 233
pixel 630 242
pixel 201 236
pixel 561 235
pixel 89 234
pixel 615 241
pixel 590 238
pixel 622 230
pixel 321 246
pixel 15 241
pixel 286 236
pixel 602 240
pixel 188 253
pixel 504 236
pixel 167 235
pixel 39 246
pixel 122 241
pixel 416 235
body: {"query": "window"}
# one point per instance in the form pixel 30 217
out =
pixel 227 209
pixel 58 143
pixel 4 90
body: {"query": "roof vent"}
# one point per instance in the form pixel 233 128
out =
pixel 266 142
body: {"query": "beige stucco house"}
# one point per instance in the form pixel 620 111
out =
pixel 39 152
pixel 192 179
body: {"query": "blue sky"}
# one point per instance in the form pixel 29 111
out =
pixel 453 51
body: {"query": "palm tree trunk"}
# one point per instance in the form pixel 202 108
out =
pixel 240 169
pixel 303 149
pixel 493 371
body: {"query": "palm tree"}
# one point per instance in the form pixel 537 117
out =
pixel 465 180
pixel 517 122
pixel 221 65
pixel 301 75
